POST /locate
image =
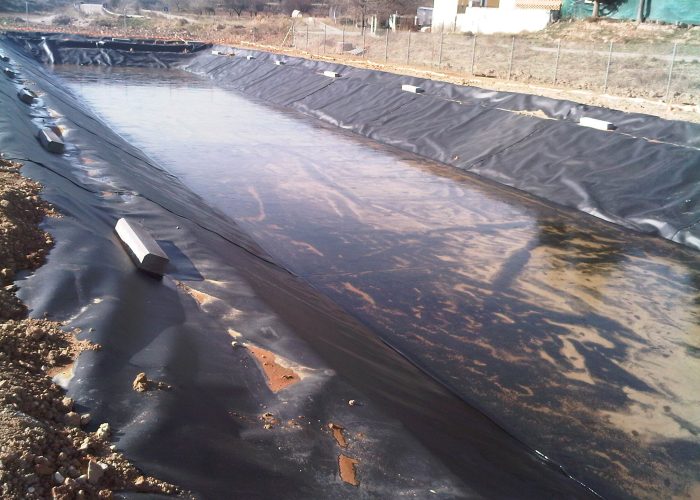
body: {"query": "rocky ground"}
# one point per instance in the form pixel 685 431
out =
pixel 45 451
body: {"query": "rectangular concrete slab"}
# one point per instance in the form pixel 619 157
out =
pixel 412 88
pixel 51 141
pixel 26 96
pixel 331 74
pixel 142 248
pixel 595 123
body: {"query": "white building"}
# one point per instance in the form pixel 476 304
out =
pixel 493 16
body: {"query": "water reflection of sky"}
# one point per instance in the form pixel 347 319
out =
pixel 580 338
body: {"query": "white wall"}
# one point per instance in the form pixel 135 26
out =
pixel 444 14
pixel 485 20
pixel 506 18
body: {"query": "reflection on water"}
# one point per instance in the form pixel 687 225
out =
pixel 580 338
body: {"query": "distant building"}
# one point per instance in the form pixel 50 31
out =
pixel 424 16
pixel 494 16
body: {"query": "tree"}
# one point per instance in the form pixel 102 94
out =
pixel 640 12
pixel 237 6
pixel 610 4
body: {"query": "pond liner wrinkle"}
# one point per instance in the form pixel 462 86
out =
pixel 426 438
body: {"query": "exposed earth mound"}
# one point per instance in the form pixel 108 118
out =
pixel 45 450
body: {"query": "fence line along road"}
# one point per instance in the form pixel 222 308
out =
pixel 661 71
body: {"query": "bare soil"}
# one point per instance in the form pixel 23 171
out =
pixel 44 450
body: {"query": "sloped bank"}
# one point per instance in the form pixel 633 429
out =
pixel 643 175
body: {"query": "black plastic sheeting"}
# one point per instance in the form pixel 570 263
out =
pixel 644 176
pixel 410 435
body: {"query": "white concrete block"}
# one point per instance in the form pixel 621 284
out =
pixel 595 123
pixel 331 74
pixel 217 53
pixel 51 141
pixel 412 88
pixel 250 58
pixel 279 63
pixel 142 248
pixel 26 96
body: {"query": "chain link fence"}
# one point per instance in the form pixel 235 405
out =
pixel 661 71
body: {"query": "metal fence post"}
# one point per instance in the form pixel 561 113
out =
pixel 670 72
pixel 556 64
pixel 343 38
pixel 324 38
pixel 364 47
pixel 307 38
pixel 473 54
pixel 442 33
pixel 510 59
pixel 386 46
pixel 408 48
pixel 607 69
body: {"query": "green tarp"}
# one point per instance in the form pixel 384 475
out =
pixel 670 11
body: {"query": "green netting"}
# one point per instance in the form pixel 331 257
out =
pixel 670 11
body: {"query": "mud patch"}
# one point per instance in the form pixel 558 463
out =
pixel 277 377
pixel 338 435
pixel 347 467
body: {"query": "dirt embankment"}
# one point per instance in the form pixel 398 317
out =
pixel 45 452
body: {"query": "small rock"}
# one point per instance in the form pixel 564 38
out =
pixel 85 419
pixel 71 418
pixel 102 431
pixel 354 402
pixel 58 478
pixel 43 466
pixel 67 403
pixel 94 472
pixel 82 479
pixel 86 444
pixel 140 383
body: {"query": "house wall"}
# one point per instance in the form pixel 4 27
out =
pixel 451 15
pixel 444 14
pixel 480 20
